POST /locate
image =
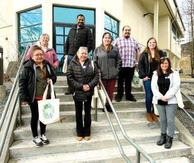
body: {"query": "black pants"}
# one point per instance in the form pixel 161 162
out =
pixel 34 120
pixel 125 75
pixel 83 129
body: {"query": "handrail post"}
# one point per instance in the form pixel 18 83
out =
pixel 19 113
pixel 96 112
pixel 138 156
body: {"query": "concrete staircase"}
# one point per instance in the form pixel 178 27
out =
pixel 102 148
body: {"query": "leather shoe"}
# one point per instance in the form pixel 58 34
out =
pixel 87 138
pixel 131 99
pixel 79 138
pixel 117 98
pixel 109 109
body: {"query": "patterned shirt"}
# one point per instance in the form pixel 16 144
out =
pixel 128 49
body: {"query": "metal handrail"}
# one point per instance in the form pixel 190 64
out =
pixel 10 108
pixel 192 101
pixel 139 150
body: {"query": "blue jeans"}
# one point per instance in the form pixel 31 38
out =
pixel 148 95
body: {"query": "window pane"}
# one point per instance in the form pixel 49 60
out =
pixel 71 18
pixel 31 17
pixel 60 49
pixel 59 30
pixel 67 29
pixel 59 40
pixel 30 27
pixel 30 33
pixel 111 25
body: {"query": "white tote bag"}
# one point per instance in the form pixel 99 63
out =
pixel 48 108
pixel 95 96
pixel 64 69
pixel 136 82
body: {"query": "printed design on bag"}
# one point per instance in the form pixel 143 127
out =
pixel 48 111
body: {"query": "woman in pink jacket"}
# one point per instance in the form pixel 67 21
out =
pixel 49 53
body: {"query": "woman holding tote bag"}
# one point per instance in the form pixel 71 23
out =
pixel 33 80
pixel 82 78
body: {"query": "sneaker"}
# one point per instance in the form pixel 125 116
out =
pixel 37 141
pixel 44 139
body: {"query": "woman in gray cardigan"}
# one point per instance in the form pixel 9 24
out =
pixel 109 63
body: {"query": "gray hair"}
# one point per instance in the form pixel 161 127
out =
pixel 82 48
pixel 44 34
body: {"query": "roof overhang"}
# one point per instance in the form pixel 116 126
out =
pixel 166 8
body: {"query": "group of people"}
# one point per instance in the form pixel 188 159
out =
pixel 114 60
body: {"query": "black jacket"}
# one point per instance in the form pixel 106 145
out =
pixel 144 65
pixel 77 76
pixel 27 81
pixel 78 37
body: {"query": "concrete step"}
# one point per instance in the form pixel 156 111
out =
pixel 139 131
pixel 63 88
pixel 68 128
pixel 69 105
pixel 69 116
pixel 65 98
pixel 172 160
pixel 108 154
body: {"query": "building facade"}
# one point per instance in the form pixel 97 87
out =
pixel 22 22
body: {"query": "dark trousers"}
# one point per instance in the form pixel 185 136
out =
pixel 109 85
pixel 125 75
pixel 83 128
pixel 34 120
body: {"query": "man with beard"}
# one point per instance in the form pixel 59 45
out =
pixel 129 51
pixel 79 35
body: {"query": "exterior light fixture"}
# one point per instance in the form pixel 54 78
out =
pixel 148 14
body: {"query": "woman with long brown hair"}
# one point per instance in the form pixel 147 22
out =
pixel 109 63
pixel 148 63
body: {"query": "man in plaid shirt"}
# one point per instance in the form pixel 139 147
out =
pixel 129 51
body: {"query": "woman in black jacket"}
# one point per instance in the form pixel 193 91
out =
pixel 148 63
pixel 36 74
pixel 82 78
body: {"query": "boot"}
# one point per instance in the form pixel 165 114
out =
pixel 149 117
pixel 154 117
pixel 168 144
pixel 162 139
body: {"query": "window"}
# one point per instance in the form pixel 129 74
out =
pixel 111 25
pixel 30 27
